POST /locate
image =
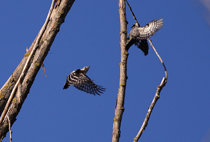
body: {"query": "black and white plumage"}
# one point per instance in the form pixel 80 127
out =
pixel 81 81
pixel 139 35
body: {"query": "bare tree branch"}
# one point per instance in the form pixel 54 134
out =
pixel 134 17
pixel 156 97
pixel 55 20
pixel 159 88
pixel 119 108
pixel 165 70
pixel 36 45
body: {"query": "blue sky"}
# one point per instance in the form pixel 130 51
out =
pixel 90 36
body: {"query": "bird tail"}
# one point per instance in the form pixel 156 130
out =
pixel 66 85
pixel 143 45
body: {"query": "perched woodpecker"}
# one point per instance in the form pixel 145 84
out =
pixel 81 81
pixel 139 35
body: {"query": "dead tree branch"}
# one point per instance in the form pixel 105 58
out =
pixel 119 108
pixel 36 45
pixel 57 17
pixel 159 88
pixel 164 67
pixel 156 97
pixel 134 17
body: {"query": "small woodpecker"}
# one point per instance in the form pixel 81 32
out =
pixel 81 81
pixel 139 35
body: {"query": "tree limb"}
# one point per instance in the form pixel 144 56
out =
pixel 134 17
pixel 36 45
pixel 56 19
pixel 119 108
pixel 159 88
pixel 156 97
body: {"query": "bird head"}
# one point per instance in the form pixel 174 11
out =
pixel 135 25
pixel 85 69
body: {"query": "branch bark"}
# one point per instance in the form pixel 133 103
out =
pixel 56 19
pixel 10 131
pixel 119 108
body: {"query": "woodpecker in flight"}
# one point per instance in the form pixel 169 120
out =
pixel 81 81
pixel 139 35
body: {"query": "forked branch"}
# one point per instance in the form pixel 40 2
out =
pixel 159 88
pixel 156 97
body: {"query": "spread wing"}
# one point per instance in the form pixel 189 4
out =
pixel 84 83
pixel 150 29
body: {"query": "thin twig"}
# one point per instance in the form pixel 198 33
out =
pixel 156 97
pixel 166 75
pixel 44 69
pixel 36 45
pixel 10 131
pixel 134 17
pixel 119 108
